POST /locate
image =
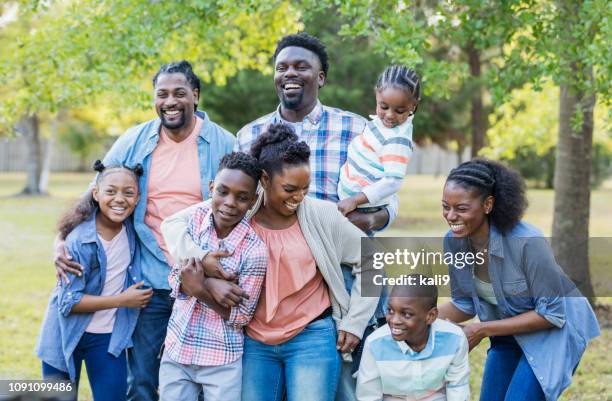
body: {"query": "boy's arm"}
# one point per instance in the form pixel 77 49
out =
pixel 458 374
pixel 369 384
pixel 175 230
pixel 250 280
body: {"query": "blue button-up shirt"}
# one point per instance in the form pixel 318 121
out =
pixel 136 146
pixel 61 329
pixel 526 277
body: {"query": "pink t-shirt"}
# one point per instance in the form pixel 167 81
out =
pixel 294 292
pixel 117 252
pixel 174 181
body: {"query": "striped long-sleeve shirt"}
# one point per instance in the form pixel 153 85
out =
pixel 377 162
pixel 197 335
pixel 391 371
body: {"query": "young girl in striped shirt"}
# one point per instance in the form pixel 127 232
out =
pixel 377 160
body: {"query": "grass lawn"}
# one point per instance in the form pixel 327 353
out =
pixel 27 229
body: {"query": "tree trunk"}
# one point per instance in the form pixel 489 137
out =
pixel 572 184
pixel 29 128
pixel 478 117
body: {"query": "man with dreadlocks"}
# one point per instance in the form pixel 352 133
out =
pixel 180 152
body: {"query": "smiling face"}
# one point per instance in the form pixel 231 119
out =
pixel 117 195
pixel 286 189
pixel 175 100
pixel 465 211
pixel 298 77
pixel 394 106
pixel 232 195
pixel 409 319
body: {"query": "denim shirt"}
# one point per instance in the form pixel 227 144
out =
pixel 526 277
pixel 136 146
pixel 61 329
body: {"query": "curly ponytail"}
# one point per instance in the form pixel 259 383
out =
pixel 86 206
pixel 279 146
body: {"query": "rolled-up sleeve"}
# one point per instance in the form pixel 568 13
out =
pixel 72 292
pixel 548 284
pixel 174 279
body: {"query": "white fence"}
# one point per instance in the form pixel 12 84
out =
pixel 426 160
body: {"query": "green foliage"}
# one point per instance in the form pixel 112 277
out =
pixel 68 53
pixel 523 132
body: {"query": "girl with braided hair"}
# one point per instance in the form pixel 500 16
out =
pixel 377 159
pixel 91 317
pixel 537 321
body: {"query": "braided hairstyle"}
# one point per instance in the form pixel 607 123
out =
pixel 180 67
pixel 490 178
pixel 278 147
pixel 85 206
pixel 400 77
pixel 243 162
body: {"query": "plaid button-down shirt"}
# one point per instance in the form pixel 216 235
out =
pixel 327 131
pixel 197 335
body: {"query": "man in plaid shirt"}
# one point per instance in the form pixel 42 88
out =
pixel 300 70
pixel 204 342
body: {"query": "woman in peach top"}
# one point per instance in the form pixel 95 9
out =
pixel 303 321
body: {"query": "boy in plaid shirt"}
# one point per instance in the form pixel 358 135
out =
pixel 204 342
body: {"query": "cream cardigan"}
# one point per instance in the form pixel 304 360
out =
pixel 333 240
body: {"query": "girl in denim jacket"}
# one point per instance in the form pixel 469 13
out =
pixel 92 316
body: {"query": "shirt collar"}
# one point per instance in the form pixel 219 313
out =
pixel 495 242
pixel 87 232
pixel 313 117
pixel 426 352
pixel 204 133
pixel 229 243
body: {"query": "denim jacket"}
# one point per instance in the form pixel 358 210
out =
pixel 136 146
pixel 61 329
pixel 526 277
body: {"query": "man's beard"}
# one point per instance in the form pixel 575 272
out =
pixel 293 103
pixel 179 124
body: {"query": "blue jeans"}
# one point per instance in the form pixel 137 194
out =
pixel 107 374
pixel 507 374
pixel 307 366
pixel 148 338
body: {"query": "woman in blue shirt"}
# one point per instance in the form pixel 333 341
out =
pixel 537 321
pixel 92 317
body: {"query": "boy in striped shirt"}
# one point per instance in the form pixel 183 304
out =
pixel 415 356
pixel 377 160
pixel 215 300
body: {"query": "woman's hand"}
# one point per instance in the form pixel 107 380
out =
pixel 345 206
pixel 347 342
pixel 133 297
pixel 225 293
pixel 474 333
pixel 212 267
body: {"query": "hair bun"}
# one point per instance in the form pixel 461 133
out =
pixel 98 166
pixel 138 170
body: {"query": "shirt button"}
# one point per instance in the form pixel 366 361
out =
pixel 541 378
pixel 531 358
